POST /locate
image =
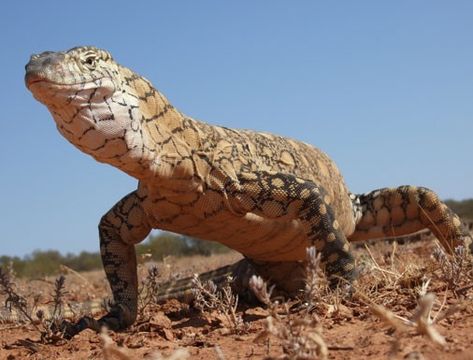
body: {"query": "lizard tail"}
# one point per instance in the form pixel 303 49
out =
pixel 394 212
pixel 183 289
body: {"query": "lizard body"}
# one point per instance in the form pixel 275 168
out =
pixel 267 196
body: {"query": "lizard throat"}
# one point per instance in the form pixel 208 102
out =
pixel 103 126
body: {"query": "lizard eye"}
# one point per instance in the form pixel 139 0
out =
pixel 89 62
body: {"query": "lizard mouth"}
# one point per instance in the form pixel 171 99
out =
pixel 33 78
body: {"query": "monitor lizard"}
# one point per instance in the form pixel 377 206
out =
pixel 268 197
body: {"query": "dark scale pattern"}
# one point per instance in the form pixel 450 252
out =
pixel 276 195
pixel 267 196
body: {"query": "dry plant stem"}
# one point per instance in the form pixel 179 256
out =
pixel 209 297
pixel 389 318
pixel 420 320
pixel 443 240
pixel 230 302
pixel 68 270
pixel 450 311
pixel 423 322
pixel 379 268
pixel 455 269
pixel 312 291
pixel 300 336
pixel 48 328
pixel 148 290
pixel 206 297
pixel 13 298
pixel 440 311
pixel 58 295
pixel 53 331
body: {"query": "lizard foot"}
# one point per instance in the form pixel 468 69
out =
pixel 119 318
pixel 345 285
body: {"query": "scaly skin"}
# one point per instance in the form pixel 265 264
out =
pixel 266 196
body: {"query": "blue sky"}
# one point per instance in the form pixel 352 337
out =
pixel 384 87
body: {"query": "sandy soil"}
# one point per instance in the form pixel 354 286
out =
pixel 392 277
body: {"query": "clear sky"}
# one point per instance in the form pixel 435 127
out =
pixel 384 87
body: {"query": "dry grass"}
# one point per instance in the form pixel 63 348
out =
pixel 401 281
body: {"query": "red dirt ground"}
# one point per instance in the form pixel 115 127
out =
pixel 349 329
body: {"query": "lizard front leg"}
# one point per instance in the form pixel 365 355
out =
pixel 120 229
pixel 282 196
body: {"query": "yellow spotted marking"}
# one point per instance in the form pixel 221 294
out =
pixel 322 209
pixel 331 237
pixel 335 225
pixel 277 182
pixel 250 176
pixel 305 193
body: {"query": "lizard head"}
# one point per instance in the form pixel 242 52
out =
pixel 94 101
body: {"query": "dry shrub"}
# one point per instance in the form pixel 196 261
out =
pixel 455 270
pixel 48 325
pixel 209 297
pixel 148 291
pixel 299 333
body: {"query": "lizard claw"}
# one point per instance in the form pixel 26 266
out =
pixel 70 329
pixel 117 319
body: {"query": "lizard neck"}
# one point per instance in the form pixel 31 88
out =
pixel 130 128
pixel 124 122
pixel 155 143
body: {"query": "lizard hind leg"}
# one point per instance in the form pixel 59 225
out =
pixel 391 212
